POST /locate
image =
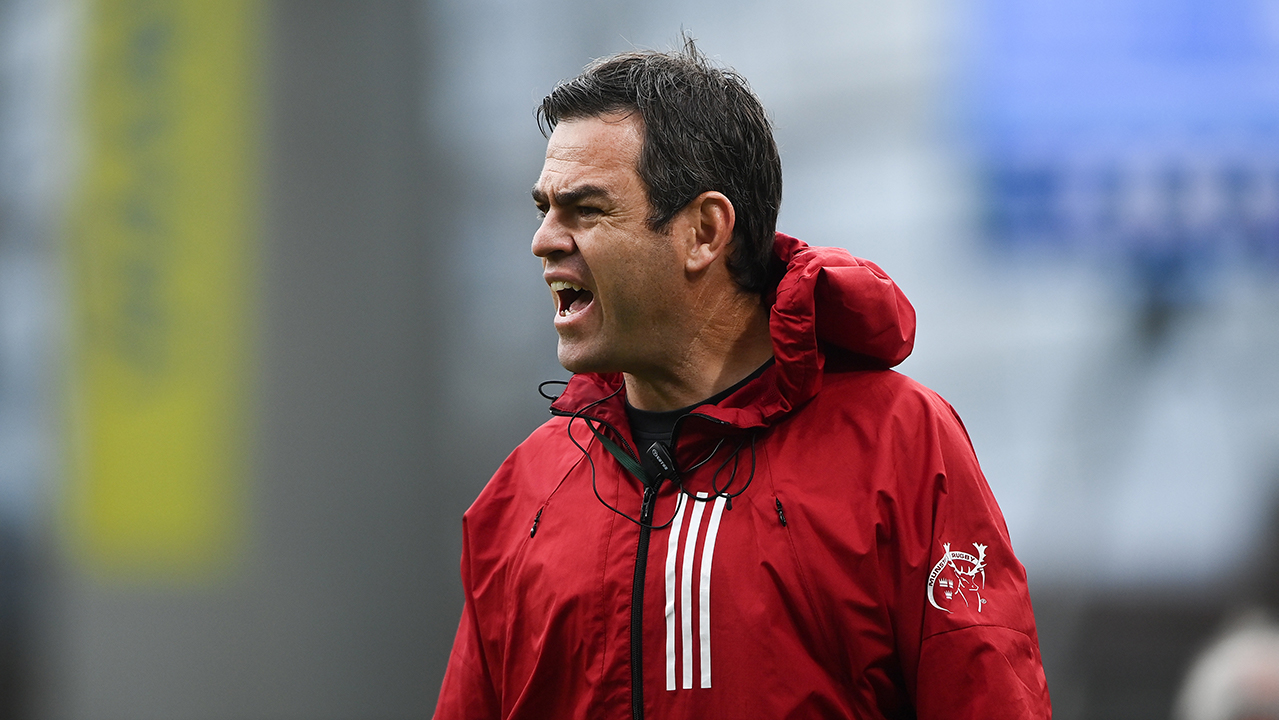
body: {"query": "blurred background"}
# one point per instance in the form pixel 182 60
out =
pixel 269 320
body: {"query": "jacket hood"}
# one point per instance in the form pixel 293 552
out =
pixel 826 298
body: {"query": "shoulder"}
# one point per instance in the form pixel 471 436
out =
pixel 883 399
pixel 498 523
pixel 548 444
pixel 531 471
pixel 881 431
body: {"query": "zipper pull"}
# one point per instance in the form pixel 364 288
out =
pixel 646 508
pixel 781 514
pixel 536 519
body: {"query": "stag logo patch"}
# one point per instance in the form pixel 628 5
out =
pixel 958 577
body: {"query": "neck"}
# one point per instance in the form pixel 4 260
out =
pixel 729 345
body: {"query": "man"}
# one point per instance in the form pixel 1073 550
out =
pixel 737 510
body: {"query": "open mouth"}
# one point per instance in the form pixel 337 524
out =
pixel 571 298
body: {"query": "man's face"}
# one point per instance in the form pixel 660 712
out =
pixel 614 281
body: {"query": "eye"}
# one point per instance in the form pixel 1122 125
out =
pixel 588 211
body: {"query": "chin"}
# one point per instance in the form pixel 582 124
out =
pixel 575 364
pixel 582 360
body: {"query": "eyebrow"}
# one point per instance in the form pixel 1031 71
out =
pixel 571 196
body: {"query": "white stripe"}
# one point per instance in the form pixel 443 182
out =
pixel 672 545
pixel 686 589
pixel 704 593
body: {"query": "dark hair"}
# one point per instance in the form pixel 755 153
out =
pixel 703 130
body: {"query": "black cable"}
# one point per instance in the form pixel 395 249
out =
pixel 626 448
pixel 544 383
pixel 728 497
pixel 676 475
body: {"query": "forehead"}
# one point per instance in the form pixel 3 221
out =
pixel 595 150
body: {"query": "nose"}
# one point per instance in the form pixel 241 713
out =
pixel 552 237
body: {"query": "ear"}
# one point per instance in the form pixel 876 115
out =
pixel 711 218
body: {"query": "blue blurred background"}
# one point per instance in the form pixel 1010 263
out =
pixel 269 319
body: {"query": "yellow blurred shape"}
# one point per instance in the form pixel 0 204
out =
pixel 161 259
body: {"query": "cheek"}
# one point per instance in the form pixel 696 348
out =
pixel 652 296
pixel 640 278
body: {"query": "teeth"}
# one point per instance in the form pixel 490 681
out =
pixel 560 285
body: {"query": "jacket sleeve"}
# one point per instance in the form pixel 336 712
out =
pixel 987 672
pixel 468 692
pixel 976 651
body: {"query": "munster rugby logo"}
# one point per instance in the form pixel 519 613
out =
pixel 958 575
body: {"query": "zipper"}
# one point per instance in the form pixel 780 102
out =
pixel 637 587
pixel 536 519
pixel 637 604
pixel 641 560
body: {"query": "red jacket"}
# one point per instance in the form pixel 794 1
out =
pixel 864 571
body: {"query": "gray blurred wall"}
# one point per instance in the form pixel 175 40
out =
pixel 345 598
